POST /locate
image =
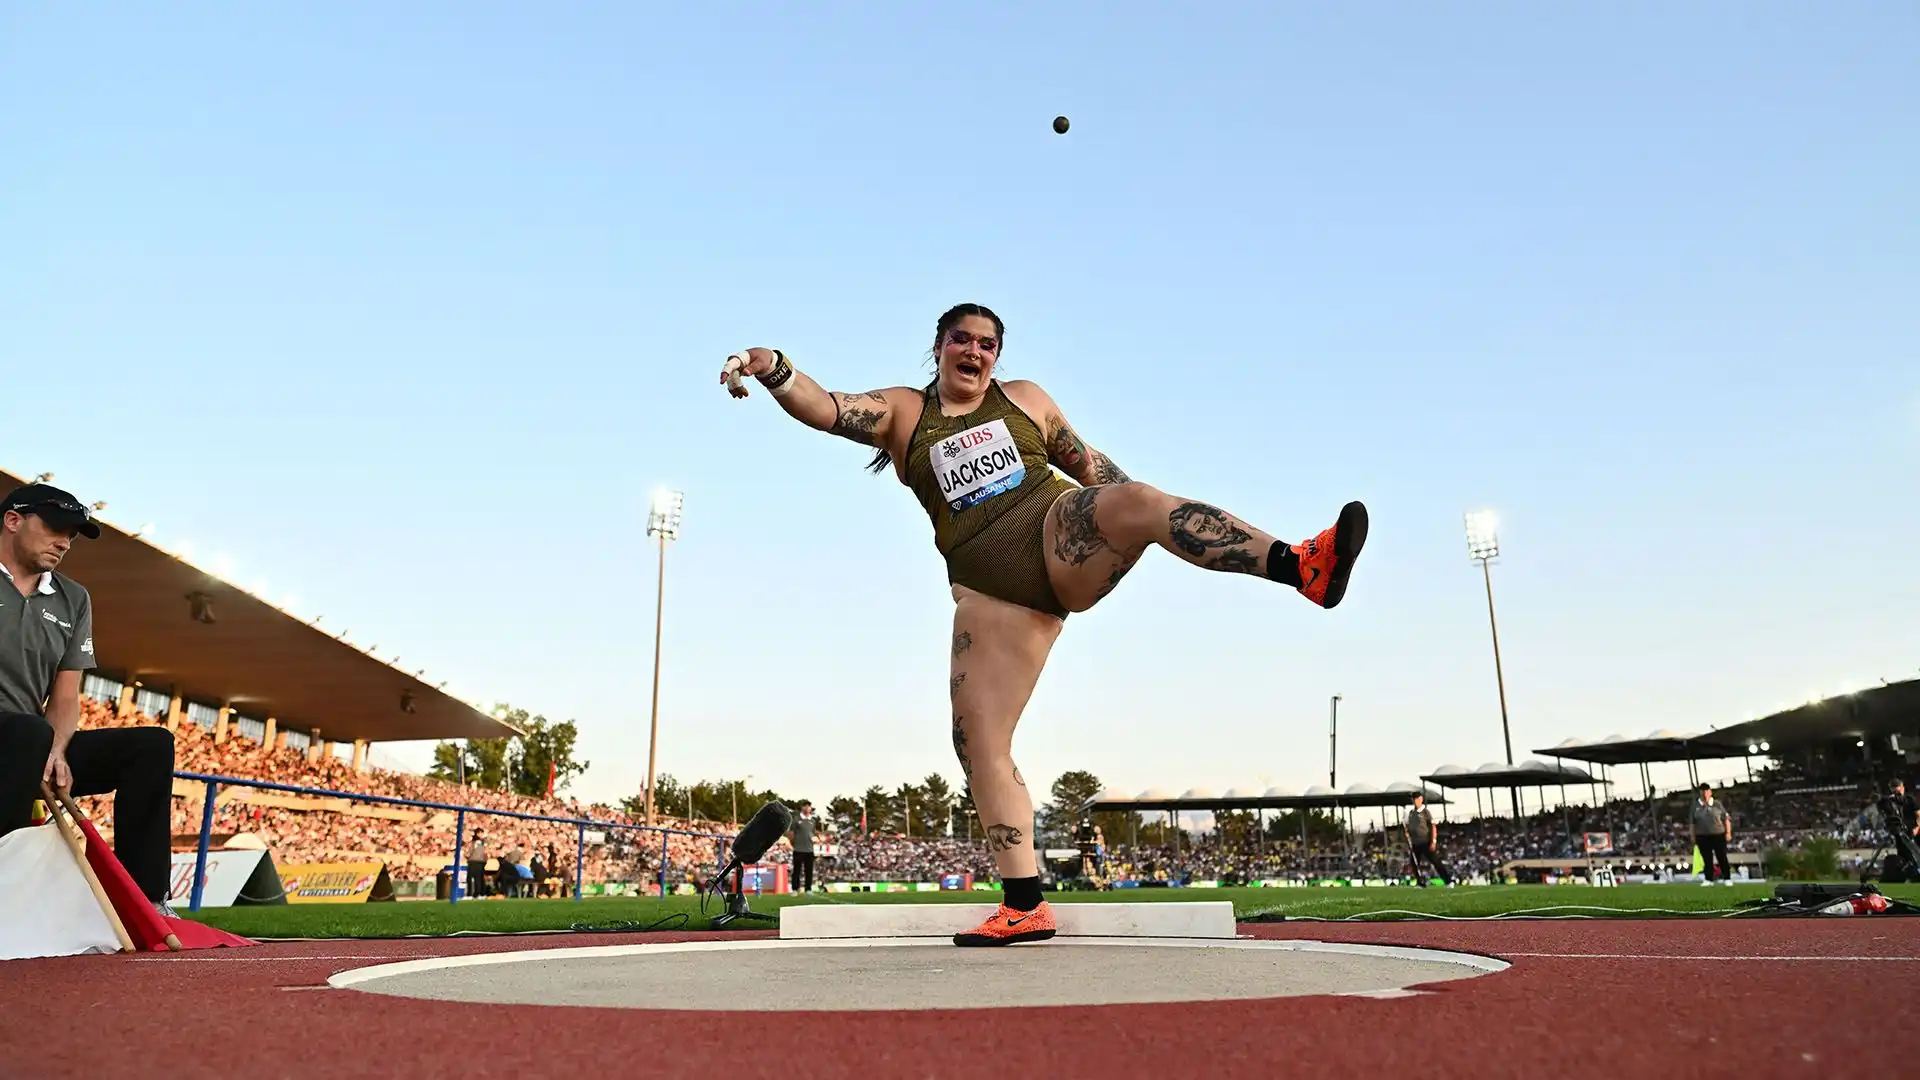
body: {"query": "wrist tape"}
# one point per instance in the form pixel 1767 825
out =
pixel 779 381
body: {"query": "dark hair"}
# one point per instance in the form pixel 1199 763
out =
pixel 881 458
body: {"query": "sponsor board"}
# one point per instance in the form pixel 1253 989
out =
pixel 336 883
pixel 233 877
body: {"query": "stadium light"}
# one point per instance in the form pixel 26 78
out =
pixel 1483 546
pixel 1483 535
pixel 664 518
pixel 663 521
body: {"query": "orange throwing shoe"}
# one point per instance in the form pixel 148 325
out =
pixel 1327 559
pixel 1009 927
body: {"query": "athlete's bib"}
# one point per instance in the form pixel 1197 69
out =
pixel 977 464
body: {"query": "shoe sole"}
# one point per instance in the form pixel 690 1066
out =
pixel 1349 536
pixel 976 940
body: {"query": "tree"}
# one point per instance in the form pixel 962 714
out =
pixel 1071 791
pixel 486 762
pixel 1238 828
pixel 544 744
pixel 844 812
pixel 669 798
pixel 909 806
pixel 1322 827
pixel 935 807
pixel 446 763
pixel 966 816
pixel 519 762
pixel 878 806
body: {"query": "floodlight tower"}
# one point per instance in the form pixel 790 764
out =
pixel 663 521
pixel 1483 546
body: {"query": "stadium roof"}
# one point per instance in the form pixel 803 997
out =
pixel 1316 797
pixel 1656 747
pixel 252 655
pixel 1495 775
pixel 1887 709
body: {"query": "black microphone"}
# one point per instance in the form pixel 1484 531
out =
pixel 764 831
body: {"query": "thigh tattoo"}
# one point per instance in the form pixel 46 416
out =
pixel 1077 539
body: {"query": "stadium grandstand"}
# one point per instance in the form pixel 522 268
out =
pixel 1809 772
pixel 256 692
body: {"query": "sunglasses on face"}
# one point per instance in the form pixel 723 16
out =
pixel 961 337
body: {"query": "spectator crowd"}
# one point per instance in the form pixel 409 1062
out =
pixel 416 843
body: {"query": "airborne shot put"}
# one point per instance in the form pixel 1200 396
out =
pixel 1024 548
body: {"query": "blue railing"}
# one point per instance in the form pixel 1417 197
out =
pixel 459 831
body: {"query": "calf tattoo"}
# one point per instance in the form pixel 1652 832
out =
pixel 1076 538
pixel 1197 529
pixel 1236 561
pixel 1002 838
pixel 953 684
pixel 962 641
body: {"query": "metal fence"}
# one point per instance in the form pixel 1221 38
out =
pixel 581 825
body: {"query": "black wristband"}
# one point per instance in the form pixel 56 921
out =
pixel 781 374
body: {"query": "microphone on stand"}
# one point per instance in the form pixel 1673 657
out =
pixel 760 834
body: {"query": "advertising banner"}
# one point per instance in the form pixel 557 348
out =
pixel 237 876
pixel 336 883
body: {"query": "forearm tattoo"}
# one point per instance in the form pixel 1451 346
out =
pixel 1068 450
pixel 1075 536
pixel 1002 838
pixel 1106 472
pixel 1198 529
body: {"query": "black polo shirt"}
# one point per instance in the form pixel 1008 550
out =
pixel 47 631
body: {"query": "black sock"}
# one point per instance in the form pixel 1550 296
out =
pixel 1021 893
pixel 1283 565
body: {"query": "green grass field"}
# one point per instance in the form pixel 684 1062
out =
pixel 409 918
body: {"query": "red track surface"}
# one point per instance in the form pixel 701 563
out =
pixel 1800 997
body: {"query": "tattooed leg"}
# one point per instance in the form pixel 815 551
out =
pixel 1094 535
pixel 997 654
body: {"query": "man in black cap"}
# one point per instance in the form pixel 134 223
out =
pixel 46 644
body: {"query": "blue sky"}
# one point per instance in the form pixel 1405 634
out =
pixel 406 313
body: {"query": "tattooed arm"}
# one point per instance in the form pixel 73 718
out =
pixel 863 418
pixel 1065 448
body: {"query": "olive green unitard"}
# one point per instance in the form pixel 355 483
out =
pixel 984 480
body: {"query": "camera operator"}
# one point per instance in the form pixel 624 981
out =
pixel 1902 817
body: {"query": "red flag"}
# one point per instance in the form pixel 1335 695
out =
pixel 147 927
pixel 552 770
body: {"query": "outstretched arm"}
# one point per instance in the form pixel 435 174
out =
pixel 863 418
pixel 1065 448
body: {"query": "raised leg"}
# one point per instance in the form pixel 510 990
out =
pixel 998 651
pixel 1095 534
